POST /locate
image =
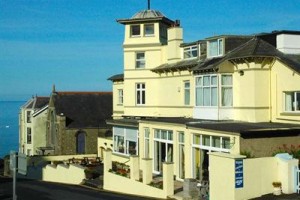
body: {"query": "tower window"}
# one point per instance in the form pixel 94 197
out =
pixel 140 60
pixel 135 30
pixel 149 29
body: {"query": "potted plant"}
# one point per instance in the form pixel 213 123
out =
pixel 277 188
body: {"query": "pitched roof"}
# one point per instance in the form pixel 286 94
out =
pixel 208 64
pixel 37 102
pixel 84 109
pixel 180 65
pixel 147 16
pixel 257 47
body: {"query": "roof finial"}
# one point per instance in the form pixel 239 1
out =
pixel 53 88
pixel 148 4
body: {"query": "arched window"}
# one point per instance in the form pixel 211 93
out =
pixel 80 142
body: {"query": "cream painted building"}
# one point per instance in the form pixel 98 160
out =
pixel 32 125
pixel 177 101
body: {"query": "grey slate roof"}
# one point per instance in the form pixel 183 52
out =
pixel 84 109
pixel 147 14
pixel 255 47
pixel 259 48
pixel 181 65
pixel 38 102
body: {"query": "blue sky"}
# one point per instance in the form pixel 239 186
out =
pixel 77 44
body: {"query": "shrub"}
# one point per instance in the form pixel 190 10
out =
pixel 292 150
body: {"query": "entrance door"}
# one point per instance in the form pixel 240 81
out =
pixel 200 166
pixel 163 153
pixel 80 143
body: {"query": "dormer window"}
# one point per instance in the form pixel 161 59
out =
pixel 135 30
pixel 215 48
pixel 149 29
pixel 190 52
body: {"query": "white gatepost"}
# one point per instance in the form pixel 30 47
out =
pixel 168 178
pixel 134 167
pixel 286 172
pixel 147 170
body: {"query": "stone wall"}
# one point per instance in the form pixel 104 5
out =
pixel 263 147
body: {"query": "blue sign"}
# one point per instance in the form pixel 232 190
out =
pixel 239 174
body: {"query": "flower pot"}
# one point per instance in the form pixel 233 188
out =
pixel 277 191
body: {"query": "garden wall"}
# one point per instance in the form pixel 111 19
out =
pixel 258 174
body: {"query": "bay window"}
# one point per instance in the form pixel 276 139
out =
pixel 207 90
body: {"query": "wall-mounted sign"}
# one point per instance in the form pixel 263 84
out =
pixel 239 174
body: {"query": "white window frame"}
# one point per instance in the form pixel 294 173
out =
pixel 140 93
pixel 140 62
pixel 226 86
pixel 220 48
pixel 202 87
pixel 145 32
pixel 180 158
pixel 168 141
pixel 294 106
pixel 188 52
pixel 210 147
pixel 187 93
pixel 120 96
pixel 147 141
pixel 125 142
pixel 131 32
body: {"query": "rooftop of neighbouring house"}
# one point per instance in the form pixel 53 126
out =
pixel 37 102
pixel 83 109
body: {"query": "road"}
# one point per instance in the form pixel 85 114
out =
pixel 32 189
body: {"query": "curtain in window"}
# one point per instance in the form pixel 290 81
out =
pixel 226 96
pixel 288 102
pixel 227 90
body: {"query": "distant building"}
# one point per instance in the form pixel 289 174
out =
pixel 75 120
pixel 177 101
pixel 32 126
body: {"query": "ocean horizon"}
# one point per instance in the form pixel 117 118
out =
pixel 9 126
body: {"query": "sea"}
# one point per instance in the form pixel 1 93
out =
pixel 9 126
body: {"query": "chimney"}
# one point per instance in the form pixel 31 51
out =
pixel 175 38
